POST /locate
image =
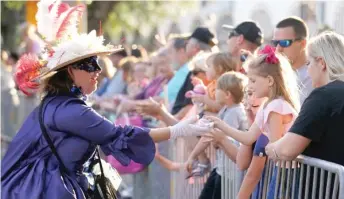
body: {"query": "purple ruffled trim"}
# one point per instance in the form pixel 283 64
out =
pixel 133 143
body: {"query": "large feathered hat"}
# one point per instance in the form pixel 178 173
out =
pixel 58 25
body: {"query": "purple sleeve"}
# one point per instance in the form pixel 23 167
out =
pixel 259 149
pixel 124 143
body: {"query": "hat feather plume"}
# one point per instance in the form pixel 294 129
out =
pixel 46 17
pixel 27 70
pixel 68 21
pixel 58 21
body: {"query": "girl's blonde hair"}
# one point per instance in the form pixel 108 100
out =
pixel 329 46
pixel 222 62
pixel 285 82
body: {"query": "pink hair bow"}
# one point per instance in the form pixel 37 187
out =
pixel 269 51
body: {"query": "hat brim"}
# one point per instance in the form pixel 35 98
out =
pixel 228 27
pixel 49 72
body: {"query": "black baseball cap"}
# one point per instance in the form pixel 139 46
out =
pixel 250 30
pixel 204 35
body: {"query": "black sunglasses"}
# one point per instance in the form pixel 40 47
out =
pixel 284 43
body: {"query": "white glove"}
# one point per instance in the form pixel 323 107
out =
pixel 189 128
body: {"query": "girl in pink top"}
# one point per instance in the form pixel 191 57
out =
pixel 271 76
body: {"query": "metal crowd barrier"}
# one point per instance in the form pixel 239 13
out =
pixel 303 178
pixel 182 188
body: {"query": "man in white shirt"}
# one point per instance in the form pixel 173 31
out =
pixel 290 38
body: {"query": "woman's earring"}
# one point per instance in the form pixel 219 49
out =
pixel 76 90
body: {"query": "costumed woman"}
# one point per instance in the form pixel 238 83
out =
pixel 65 75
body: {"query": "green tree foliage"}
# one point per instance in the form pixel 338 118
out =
pixel 129 17
pixel 14 5
pixel 12 15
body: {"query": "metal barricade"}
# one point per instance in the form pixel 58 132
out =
pixel 304 177
pixel 180 186
pixel 231 177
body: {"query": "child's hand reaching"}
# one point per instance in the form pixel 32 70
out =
pixel 188 165
pixel 215 120
pixel 216 136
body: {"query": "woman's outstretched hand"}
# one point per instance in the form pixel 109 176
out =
pixel 190 127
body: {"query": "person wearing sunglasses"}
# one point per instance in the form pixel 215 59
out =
pixel 245 36
pixel 290 38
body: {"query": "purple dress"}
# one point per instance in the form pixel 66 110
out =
pixel 31 171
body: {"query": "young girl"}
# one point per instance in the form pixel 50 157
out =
pixel 252 104
pixel 251 157
pixel 218 64
pixel 271 76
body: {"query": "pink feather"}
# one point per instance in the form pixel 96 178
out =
pixel 74 12
pixel 62 8
pixel 27 70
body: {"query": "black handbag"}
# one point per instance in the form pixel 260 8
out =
pixel 104 188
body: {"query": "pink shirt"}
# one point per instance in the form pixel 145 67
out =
pixel 279 106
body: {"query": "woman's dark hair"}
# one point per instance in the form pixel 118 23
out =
pixel 60 82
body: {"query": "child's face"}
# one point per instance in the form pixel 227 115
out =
pixel 252 102
pixel 222 97
pixel 260 86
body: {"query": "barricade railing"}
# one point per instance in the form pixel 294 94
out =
pixel 180 186
pixel 231 178
pixel 305 177
pixel 302 178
